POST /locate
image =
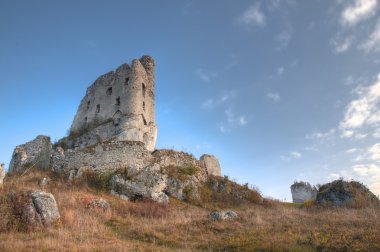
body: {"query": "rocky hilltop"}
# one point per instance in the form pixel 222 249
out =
pixel 113 135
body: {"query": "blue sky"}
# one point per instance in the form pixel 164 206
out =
pixel 278 90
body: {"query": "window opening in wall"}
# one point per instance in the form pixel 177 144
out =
pixel 88 104
pixel 143 89
pixel 98 108
pixel 85 119
pixel 144 120
pixel 117 101
pixel 144 106
pixel 126 81
pixel 109 91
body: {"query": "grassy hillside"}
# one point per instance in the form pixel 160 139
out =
pixel 181 226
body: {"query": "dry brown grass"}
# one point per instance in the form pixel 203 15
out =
pixel 146 226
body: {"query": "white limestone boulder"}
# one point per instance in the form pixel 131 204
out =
pixel 2 173
pixel 212 165
pixel 303 191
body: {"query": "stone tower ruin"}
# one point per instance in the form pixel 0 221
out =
pixel 119 105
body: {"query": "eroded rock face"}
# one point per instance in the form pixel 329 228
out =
pixel 212 165
pixel 2 173
pixel 36 153
pixel 303 191
pixel 148 183
pixel 223 215
pixel 343 193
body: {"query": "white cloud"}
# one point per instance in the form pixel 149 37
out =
pixel 341 45
pixel 371 174
pixel 274 97
pixel 291 155
pixel 320 135
pixel 376 133
pixel 362 111
pixel 242 120
pixel 284 37
pixel 253 16
pixel 204 75
pixel 372 44
pixel 311 148
pixel 374 152
pixel 359 11
pixel 351 150
pixel 232 121
pixel 224 129
pixel 296 154
pixel 211 103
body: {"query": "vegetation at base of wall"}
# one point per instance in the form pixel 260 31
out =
pixel 98 181
pixel 180 173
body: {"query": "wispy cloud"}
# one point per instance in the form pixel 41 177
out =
pixel 232 121
pixel 358 11
pixel 284 37
pixel 274 97
pixel 341 45
pixel 372 44
pixel 291 155
pixel 253 16
pixel 320 135
pixel 211 103
pixel 206 76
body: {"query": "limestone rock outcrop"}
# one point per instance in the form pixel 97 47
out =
pixel 343 193
pixel 36 153
pixel 223 215
pixel 212 165
pixel 2 173
pixel 303 191
pixel 149 183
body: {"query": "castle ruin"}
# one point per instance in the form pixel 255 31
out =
pixel 114 135
pixel 119 105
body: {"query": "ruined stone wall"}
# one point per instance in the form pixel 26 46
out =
pixel 119 105
pixel 106 157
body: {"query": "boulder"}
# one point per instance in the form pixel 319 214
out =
pixel 2 173
pixel 45 206
pixel 212 165
pixel 303 191
pixel 33 209
pixel 100 204
pixel 343 193
pixel 223 215
pixel 36 153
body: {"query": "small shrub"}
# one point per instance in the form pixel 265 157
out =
pixel 98 181
pixel 180 172
pixel 309 204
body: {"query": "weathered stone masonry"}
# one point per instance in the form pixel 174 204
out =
pixel 119 105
